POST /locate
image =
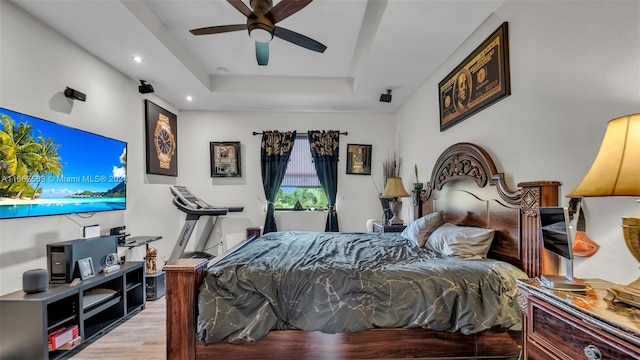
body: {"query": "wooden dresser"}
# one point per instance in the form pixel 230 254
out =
pixel 578 325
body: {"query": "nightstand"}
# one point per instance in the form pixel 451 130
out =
pixel 381 228
pixel 577 325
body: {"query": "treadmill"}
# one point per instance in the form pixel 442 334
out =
pixel 195 208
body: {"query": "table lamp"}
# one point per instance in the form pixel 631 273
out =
pixel 393 190
pixel 616 172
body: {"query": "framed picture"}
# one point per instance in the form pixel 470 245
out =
pixel 479 81
pixel 85 267
pixel 162 140
pixel 225 159
pixel 358 159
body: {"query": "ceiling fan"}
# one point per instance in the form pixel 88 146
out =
pixel 261 25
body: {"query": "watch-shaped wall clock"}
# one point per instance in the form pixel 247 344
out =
pixel 161 136
pixel 165 141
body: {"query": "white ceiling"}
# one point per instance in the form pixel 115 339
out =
pixel 372 46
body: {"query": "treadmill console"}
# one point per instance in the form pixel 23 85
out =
pixel 187 198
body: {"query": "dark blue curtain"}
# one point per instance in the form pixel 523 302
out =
pixel 274 157
pixel 325 147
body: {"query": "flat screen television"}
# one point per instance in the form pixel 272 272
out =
pixel 556 237
pixel 51 169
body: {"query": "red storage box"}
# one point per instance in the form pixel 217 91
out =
pixel 62 336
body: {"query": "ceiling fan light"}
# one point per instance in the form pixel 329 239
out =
pixel 260 35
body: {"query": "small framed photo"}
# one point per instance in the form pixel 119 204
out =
pixel 358 159
pixel 225 159
pixel 85 267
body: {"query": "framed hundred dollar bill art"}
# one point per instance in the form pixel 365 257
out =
pixel 478 82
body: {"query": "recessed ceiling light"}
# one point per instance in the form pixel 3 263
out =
pixel 189 98
pixel 138 59
pixel 222 70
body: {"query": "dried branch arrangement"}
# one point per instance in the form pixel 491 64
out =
pixel 390 167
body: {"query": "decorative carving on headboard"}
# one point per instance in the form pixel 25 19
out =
pixel 460 166
pixel 536 194
pixel 467 161
pixel 530 198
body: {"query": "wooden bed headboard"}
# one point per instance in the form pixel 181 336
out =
pixel 470 191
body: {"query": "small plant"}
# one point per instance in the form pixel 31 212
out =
pixel 417 185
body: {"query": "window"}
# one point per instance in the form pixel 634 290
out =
pixel 300 183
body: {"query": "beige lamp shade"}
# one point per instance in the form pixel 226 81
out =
pixel 394 189
pixel 616 169
pixel 616 172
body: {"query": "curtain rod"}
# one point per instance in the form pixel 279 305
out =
pixel 306 132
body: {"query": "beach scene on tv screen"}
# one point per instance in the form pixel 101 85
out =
pixel 51 169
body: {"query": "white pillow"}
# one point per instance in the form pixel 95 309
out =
pixel 461 241
pixel 419 230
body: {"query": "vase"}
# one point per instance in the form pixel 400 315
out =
pixel 386 209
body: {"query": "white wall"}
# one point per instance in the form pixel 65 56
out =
pixel 574 66
pixel 36 64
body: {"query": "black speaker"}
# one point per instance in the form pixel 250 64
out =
pixel 62 257
pixel 154 285
pixel 35 281
pixel 74 94
pixel 145 88
pixel 386 97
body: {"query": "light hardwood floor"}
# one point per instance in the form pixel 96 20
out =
pixel 141 337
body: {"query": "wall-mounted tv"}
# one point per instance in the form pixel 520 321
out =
pixel 51 169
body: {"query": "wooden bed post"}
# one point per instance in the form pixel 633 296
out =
pixel 535 194
pixel 183 279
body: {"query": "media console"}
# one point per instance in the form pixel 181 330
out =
pixel 95 305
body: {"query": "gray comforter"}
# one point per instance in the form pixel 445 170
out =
pixel 347 282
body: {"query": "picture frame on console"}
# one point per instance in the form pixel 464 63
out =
pixel 479 81
pixel 161 133
pixel 86 269
pixel 225 159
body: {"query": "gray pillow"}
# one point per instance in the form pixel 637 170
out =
pixel 461 241
pixel 419 230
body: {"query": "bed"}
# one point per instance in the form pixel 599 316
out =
pixel 467 190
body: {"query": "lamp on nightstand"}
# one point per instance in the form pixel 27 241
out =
pixel 616 172
pixel 394 190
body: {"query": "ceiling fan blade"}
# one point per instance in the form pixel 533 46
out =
pixel 286 8
pixel 298 39
pixel 262 53
pixel 218 29
pixel 240 6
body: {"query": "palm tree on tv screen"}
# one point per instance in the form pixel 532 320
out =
pixel 22 157
pixel 48 161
